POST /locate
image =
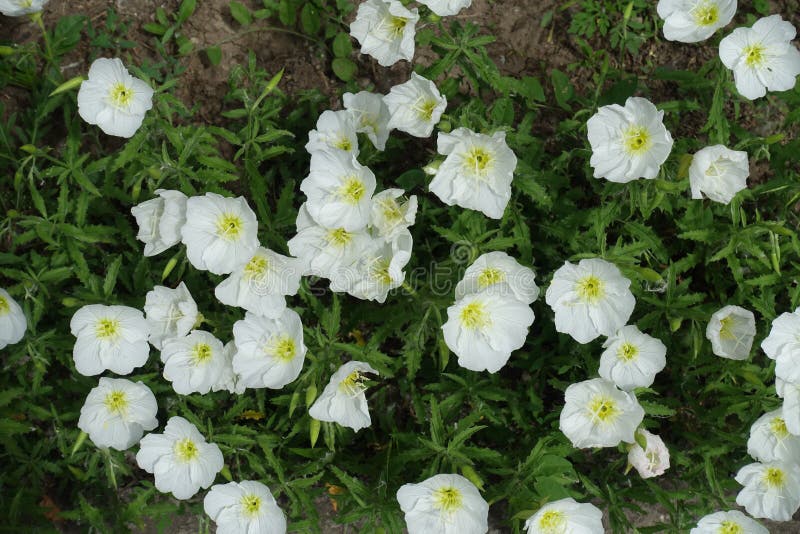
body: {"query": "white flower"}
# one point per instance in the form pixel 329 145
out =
pixel 260 285
pixel 477 171
pixel 771 490
pixel 790 393
pixel 415 106
pixel 484 328
pixel 377 271
pixel 370 114
pixel 597 414
pixel 692 21
pixel 117 412
pixel 590 299
pixel 336 132
pixel 391 218
pixel 339 191
pixel 220 233
pixel 732 522
pixel 180 459
pixel 343 400
pixel 628 142
pixel 503 274
pixel 762 58
pixel 445 8
pixel 322 251
pixel 652 461
pixel 783 345
pixel 160 220
pixel 113 99
pixel 731 331
pixel 13 322
pixel 719 172
pixel 18 8
pixel 771 441
pixel 444 504
pixel 228 380
pixel 109 337
pixel 566 516
pixel 269 352
pixel 169 312
pixel 245 507
pixel 632 359
pixel 193 363
pixel 385 30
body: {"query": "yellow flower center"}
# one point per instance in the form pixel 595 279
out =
pixel 754 55
pixel 726 328
pixel 774 477
pixel 590 289
pixel 627 351
pixel 474 316
pixel 107 329
pixel 637 140
pixel 121 95
pixel 116 401
pixel 478 160
pixel 4 305
pixel 552 522
pixel 729 527
pixel 284 348
pixel 603 409
pixel 229 226
pixel 778 428
pixel 339 237
pixel 353 384
pixel 380 271
pixel 447 499
pixel 186 450
pixel 490 276
pixel 706 14
pixel 256 267
pixel 396 26
pixel 343 143
pixel 201 353
pixel 353 190
pixel 390 209
pixel 251 504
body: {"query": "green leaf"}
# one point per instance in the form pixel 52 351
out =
pixel 309 19
pixel 186 10
pixel 562 88
pixel 240 13
pixel 69 85
pixel 342 45
pixel 344 68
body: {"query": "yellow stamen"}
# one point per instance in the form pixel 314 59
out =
pixel 186 450
pixel 729 527
pixel 552 522
pixel 637 140
pixel 474 316
pixel 774 477
pixel 706 14
pixel 754 55
pixel 396 26
pixel 353 384
pixel 726 328
pixel 590 289
pixel 201 353
pixel 230 226
pixel 343 143
pixel 284 348
pixel 478 160
pixel 778 428
pixel 107 329
pixel 256 267
pixel 390 209
pixel 339 237
pixel 5 307
pixel 251 504
pixel 121 95
pixel 116 401
pixel 603 409
pixel 490 276
pixel 447 499
pixel 353 190
pixel 627 351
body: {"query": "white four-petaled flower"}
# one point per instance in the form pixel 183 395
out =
pixel 719 172
pixel 160 220
pixel 692 21
pixel 370 115
pixel 415 106
pixel 731 330
pixel 245 507
pixel 502 273
pixel 771 490
pixel 170 313
pixel 651 461
pixel 343 400
pixel 110 338
pixel 391 217
pixel 13 322
pixel 731 522
pixel 444 504
pixel 783 345
pixel 445 8
pixel 335 132
pixel 193 363
pixel 566 516
pixel 771 441
pixel 385 29
pixel 632 359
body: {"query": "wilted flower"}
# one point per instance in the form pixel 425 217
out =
pixel 597 414
pixel 390 217
pixel 13 322
pixel 783 345
pixel 109 337
pixel 632 359
pixel 444 504
pixel 343 400
pixel 180 459
pixel 731 522
pixel 566 516
pixel 113 99
pixel 590 299
pixel 336 133
pixel 385 30
pixel 228 380
pixel 731 331
pixel 117 412
pixel 771 490
pixel 503 274
pixel 170 313
pixel 160 221
pixel 771 441
pixel 370 114
pixel 762 58
pixel 719 172
pixel 445 8
pixel 692 21
pixel 193 363
pixel 245 507
pixel 628 142
pixel 18 8
pixel 651 461
pixel 477 171
pixel 415 106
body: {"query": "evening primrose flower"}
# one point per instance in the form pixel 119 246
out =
pixel 719 172
pixel 336 132
pixel 692 21
pixel 117 412
pixel 503 274
pixel 339 191
pixel 228 380
pixel 762 58
pixel 628 142
pixel 245 507
pixel 13 322
pixel 269 352
pixel 113 99
pixel 170 313
pixel 370 114
pixel 790 393
pixel 415 106
pixel 771 441
pixel 385 30
pixel 444 504
pixel 484 328
pixel 392 217
pixel 160 221
pixel 110 338
pixel 632 359
pixel 731 331
pixel 597 414
pixel 590 299
pixel 261 284
pixel 783 345
pixel 566 516
pixel 445 8
pixel 220 233
pixel 193 363
pixel 343 400
pixel 19 8
pixel 771 490
pixel 731 522
pixel 180 459
pixel 651 461
pixel 477 171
